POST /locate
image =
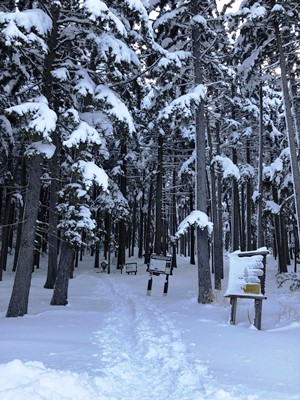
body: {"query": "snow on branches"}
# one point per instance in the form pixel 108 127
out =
pixel 115 106
pixel 183 105
pixel 230 170
pixel 40 119
pixel 197 218
pixel 20 27
pixel 91 173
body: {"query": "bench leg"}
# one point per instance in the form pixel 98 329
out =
pixel 258 313
pixel 233 303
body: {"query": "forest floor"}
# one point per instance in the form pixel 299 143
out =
pixel 113 342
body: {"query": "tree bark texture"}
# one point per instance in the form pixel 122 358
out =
pixel 18 305
pixel 158 239
pixel 260 239
pixel 121 225
pixel 205 294
pixel 66 260
pixel 52 227
pixel 289 124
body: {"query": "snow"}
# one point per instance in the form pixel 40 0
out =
pixel 61 74
pixel 196 217
pixel 273 207
pixel 85 84
pixel 243 270
pixel 117 108
pixel 91 173
pixel 112 342
pixel 199 19
pixel 111 46
pixel 43 119
pixel 46 149
pixel 84 133
pixel 29 19
pixel 230 170
pixel 98 9
pixel 183 104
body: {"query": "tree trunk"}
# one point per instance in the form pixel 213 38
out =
pixel 18 305
pixel 141 230
pixel 235 210
pixel 65 267
pixel 289 125
pixel 192 233
pixel 248 204
pixel 282 265
pixel 121 225
pixel 259 229
pixel 148 247
pixel 158 238
pixel 5 232
pixel 52 227
pixel 205 294
pixel 217 264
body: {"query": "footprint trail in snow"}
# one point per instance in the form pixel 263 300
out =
pixel 141 355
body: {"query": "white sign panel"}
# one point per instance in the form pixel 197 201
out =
pixel 160 264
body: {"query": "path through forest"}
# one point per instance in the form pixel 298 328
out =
pixel 141 352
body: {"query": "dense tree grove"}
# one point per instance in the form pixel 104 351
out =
pixel 121 119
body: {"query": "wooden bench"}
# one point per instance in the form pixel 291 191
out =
pixel 131 268
pixel 247 274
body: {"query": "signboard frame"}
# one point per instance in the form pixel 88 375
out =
pixel 160 265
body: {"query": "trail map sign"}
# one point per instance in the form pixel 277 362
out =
pixel 159 265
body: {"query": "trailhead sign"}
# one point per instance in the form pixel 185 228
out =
pixel 159 264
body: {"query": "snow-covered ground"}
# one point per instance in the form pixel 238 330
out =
pixel 112 342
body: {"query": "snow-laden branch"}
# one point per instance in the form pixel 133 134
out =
pixel 230 170
pixel 91 173
pixel 99 10
pixel 42 119
pixel 115 106
pixel 196 217
pixel 184 104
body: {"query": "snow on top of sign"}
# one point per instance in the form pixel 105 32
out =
pixel 243 270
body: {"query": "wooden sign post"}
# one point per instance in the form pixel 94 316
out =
pixel 159 265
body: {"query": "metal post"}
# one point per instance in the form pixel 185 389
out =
pixel 166 286
pixel 149 288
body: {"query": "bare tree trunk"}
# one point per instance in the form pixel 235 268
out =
pixel 248 204
pixel 18 305
pixel 53 219
pixel 282 265
pixel 289 125
pixel 235 210
pixel 192 233
pixel 141 225
pixel 121 225
pixel 158 238
pixel 148 247
pixel 65 267
pixel 205 294
pixel 296 106
pixel 217 256
pixel 260 239
pixel 133 234
pixel 5 231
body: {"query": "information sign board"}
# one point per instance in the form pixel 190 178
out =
pixel 160 264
